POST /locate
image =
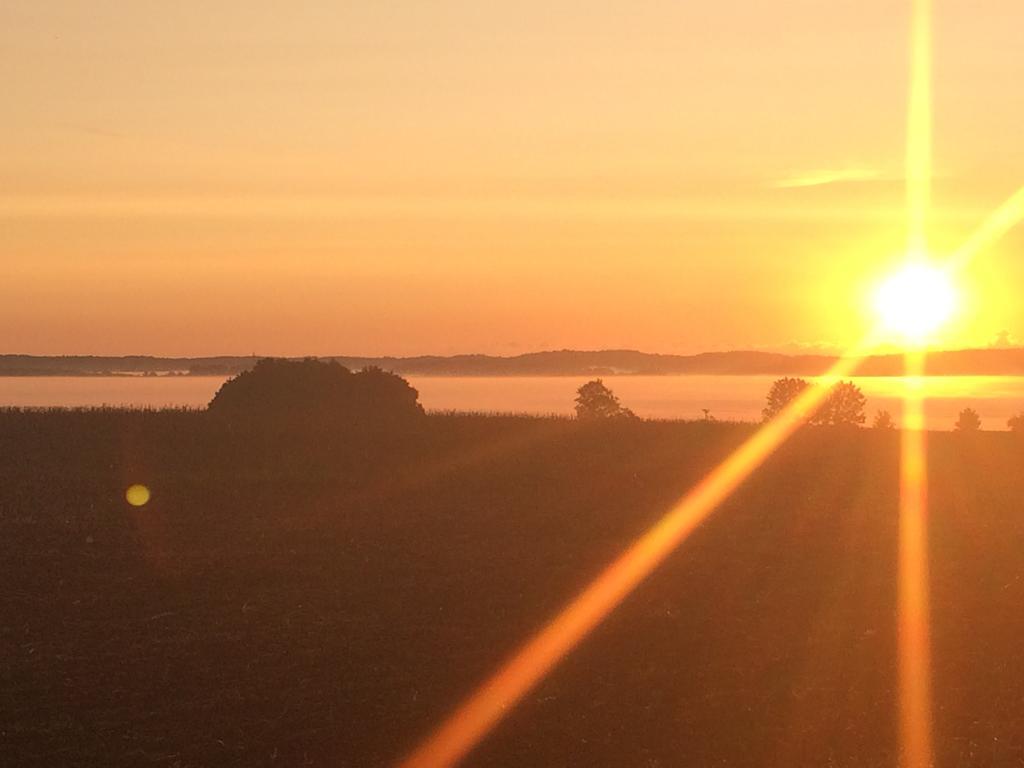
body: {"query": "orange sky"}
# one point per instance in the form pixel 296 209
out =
pixel 412 177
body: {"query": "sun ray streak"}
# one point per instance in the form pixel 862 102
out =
pixel 919 130
pixel 997 224
pixel 496 696
pixel 914 648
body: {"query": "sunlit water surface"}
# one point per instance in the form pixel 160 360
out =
pixel 996 398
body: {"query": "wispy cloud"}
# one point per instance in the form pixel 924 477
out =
pixel 309 207
pixel 820 178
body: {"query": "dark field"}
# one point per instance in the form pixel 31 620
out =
pixel 325 597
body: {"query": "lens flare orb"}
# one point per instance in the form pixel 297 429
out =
pixel 137 495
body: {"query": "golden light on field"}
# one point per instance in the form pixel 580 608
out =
pixel 916 301
pixel 137 495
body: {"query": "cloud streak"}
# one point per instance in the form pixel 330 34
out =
pixel 821 178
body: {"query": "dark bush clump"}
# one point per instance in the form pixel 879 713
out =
pixel 310 391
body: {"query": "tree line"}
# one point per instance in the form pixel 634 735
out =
pixel 290 391
pixel 842 406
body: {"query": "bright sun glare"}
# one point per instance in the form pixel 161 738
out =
pixel 915 301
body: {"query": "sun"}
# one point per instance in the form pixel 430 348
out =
pixel 916 301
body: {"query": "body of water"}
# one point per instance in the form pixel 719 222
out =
pixel 996 398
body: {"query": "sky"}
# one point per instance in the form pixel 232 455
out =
pixel 229 177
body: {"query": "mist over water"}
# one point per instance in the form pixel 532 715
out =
pixel 736 398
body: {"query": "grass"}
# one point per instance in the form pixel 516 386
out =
pixel 323 597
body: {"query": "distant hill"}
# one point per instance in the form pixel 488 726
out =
pixel 967 362
pixel 603 362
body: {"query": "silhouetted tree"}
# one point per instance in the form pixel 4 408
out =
pixel 843 406
pixel 781 394
pixel 1016 423
pixel 311 390
pixel 883 420
pixel 595 401
pixel 968 421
